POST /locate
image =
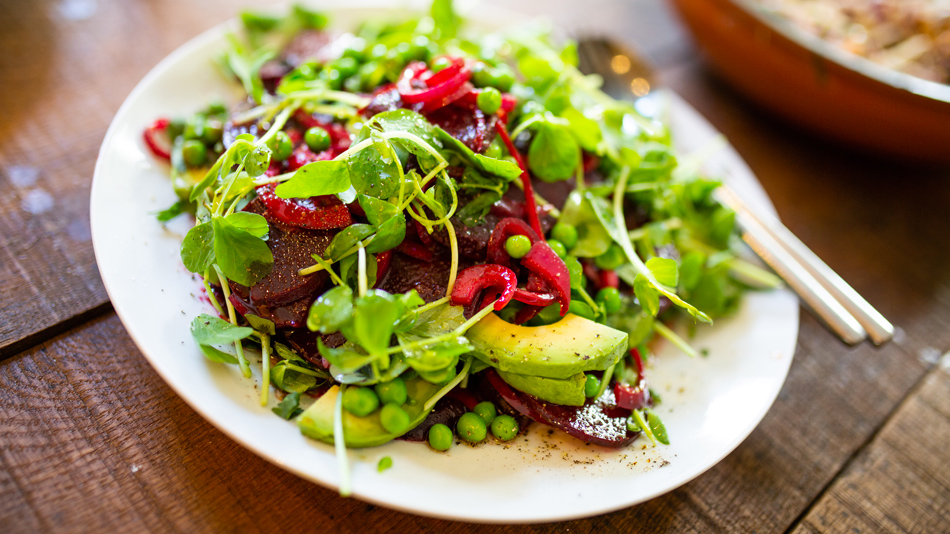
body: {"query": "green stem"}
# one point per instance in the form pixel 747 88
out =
pixel 644 427
pixel 339 443
pixel 605 380
pixel 265 368
pixel 673 338
pixel 242 361
pixel 448 387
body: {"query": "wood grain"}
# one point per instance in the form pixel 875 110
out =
pixel 900 482
pixel 92 440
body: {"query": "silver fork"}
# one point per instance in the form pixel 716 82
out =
pixel 852 318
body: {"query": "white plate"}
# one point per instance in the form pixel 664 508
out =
pixel 709 404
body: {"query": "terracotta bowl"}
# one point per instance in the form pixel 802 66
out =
pixel 819 86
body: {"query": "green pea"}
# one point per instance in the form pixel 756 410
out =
pixel 257 162
pixel 517 246
pixel 610 260
pixel 360 401
pixel 317 139
pixel 493 150
pixel 440 64
pixel 504 427
pixel 565 233
pixel 212 132
pixel 394 419
pixel 347 66
pixel 401 52
pixel 280 146
pixel 176 127
pixel 558 248
pixel 333 78
pixel 194 153
pixel 482 75
pixel 440 437
pixel 485 410
pixel 471 427
pixel 610 298
pixel 581 309
pixel 353 84
pixel 392 392
pixel 356 50
pixel 577 271
pixel 489 100
pixel 378 51
pixel 504 78
pixel 419 47
pixel 591 386
pixel 194 128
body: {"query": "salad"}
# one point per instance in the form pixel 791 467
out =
pixel 441 236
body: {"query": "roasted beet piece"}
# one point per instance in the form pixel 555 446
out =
pixel 292 315
pixel 304 342
pixel 599 422
pixel 469 126
pixel 429 279
pixel 291 248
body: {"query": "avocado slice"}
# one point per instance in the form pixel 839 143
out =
pixel 317 420
pixel 559 350
pixel 568 392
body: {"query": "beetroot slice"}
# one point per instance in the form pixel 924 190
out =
pixel 599 422
pixel 291 248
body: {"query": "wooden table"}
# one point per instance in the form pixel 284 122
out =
pixel 91 439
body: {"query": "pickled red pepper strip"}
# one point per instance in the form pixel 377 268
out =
pixel 488 278
pixel 543 262
pixel 158 127
pixel 525 177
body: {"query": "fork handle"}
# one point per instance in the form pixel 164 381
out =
pixel 808 288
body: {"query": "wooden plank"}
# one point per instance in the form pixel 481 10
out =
pixel 901 481
pixel 58 99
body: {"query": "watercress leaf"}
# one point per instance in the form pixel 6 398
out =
pixel 404 120
pixel 446 21
pixel 289 407
pixel 586 131
pixel 691 268
pixel 648 296
pixel 374 315
pixel 347 239
pixel 659 431
pixel 290 380
pixel 347 358
pixel 484 164
pixel 316 178
pixel 171 212
pixel 286 353
pixel 664 270
pixel 210 330
pixel 722 223
pixel 539 73
pixel 331 310
pixel 216 355
pixel 371 173
pixel 252 223
pixel 242 256
pixel 197 249
pixel 634 321
pixel 259 324
pixel 473 213
pixel 377 211
pixel 389 235
pixel 554 153
pixel 592 238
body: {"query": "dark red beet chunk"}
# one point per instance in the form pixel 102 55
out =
pixel 304 342
pixel 307 44
pixel 385 98
pixel 429 279
pixel 598 422
pixel 292 315
pixel 291 248
pixel 465 124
